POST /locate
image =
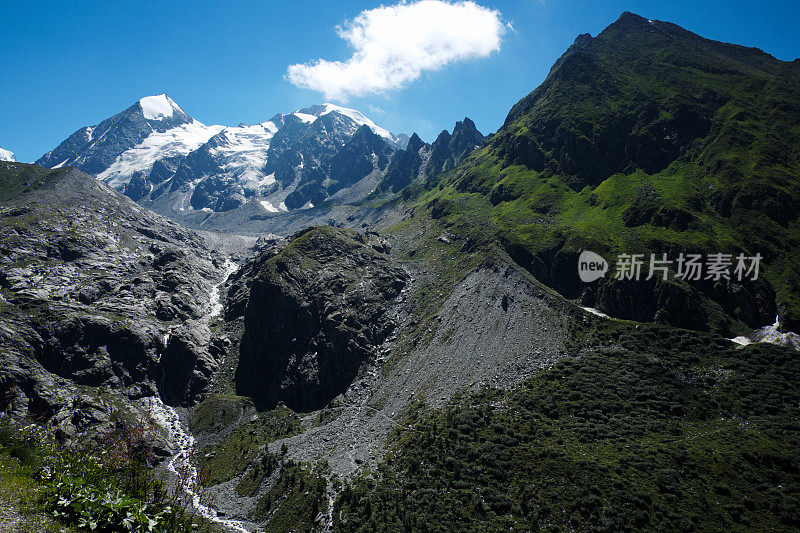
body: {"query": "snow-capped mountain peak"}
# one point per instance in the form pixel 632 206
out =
pixel 7 155
pixel 360 119
pixel 311 114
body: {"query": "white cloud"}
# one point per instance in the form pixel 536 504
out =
pixel 395 44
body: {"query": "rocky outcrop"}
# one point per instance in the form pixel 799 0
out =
pixel 449 149
pixel 99 294
pixel 703 305
pixel 240 281
pixel 420 161
pixel 405 166
pixel 189 358
pixel 316 312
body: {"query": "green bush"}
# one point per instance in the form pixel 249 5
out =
pixel 109 488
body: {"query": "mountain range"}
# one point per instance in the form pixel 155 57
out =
pixel 159 156
pixel 392 335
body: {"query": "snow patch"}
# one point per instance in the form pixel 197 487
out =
pixel 158 107
pixel 595 311
pixel 305 117
pixel 269 126
pixel 770 334
pixel 268 206
pixel 359 118
pixel 242 151
pixel 61 164
pixel 269 179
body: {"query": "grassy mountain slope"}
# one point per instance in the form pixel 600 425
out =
pixel 646 138
pixel 16 179
pixel 628 434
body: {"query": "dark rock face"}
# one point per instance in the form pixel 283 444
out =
pixel 652 300
pixel 363 153
pixel 189 359
pixel 90 350
pixel 316 312
pixel 448 150
pixel 681 305
pixel 420 161
pixel 405 166
pixel 281 157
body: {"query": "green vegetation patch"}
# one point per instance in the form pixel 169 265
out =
pixel 106 489
pixel 651 428
pixel 217 412
pixel 234 454
pixel 640 142
pixel 18 178
pixel 295 499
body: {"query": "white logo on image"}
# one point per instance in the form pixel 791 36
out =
pixel 591 266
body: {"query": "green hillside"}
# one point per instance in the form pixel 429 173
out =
pixel 630 434
pixel 646 139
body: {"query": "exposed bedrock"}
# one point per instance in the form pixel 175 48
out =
pixel 316 312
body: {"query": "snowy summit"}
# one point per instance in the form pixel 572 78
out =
pixel 158 107
pixel 6 155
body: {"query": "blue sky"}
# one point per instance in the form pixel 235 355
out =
pixel 64 65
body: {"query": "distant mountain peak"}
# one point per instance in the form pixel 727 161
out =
pixel 632 17
pixel 420 161
pixel 466 125
pixel 632 20
pixel 310 114
pixel 415 143
pixel 7 155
